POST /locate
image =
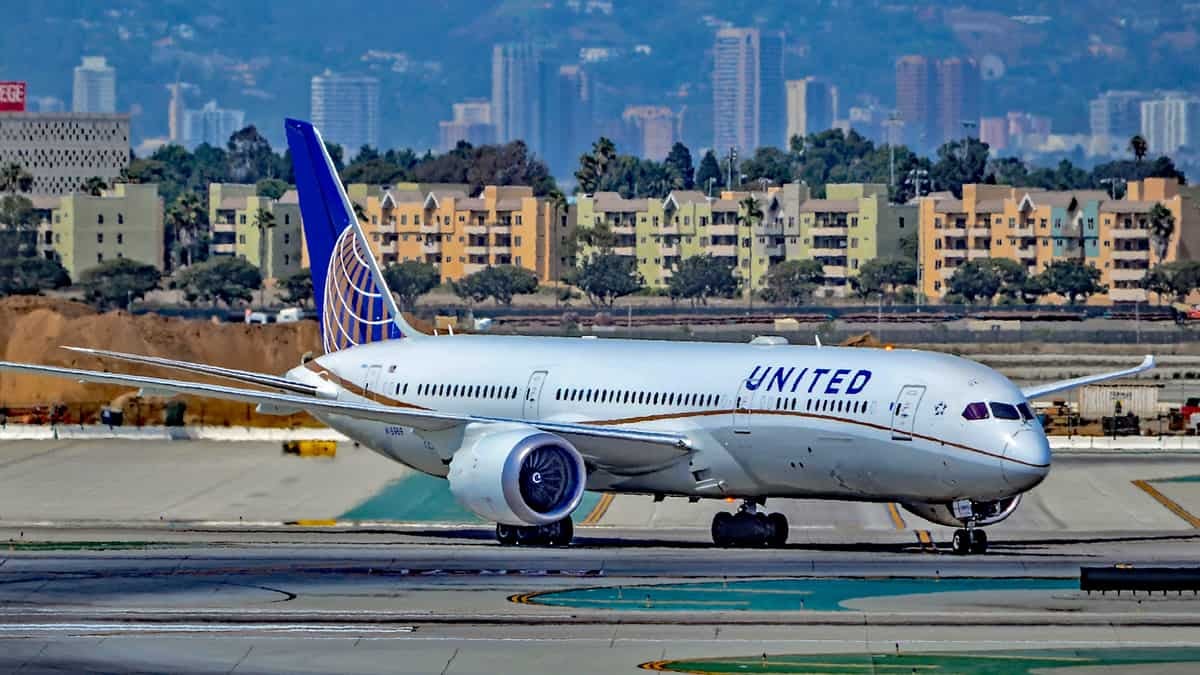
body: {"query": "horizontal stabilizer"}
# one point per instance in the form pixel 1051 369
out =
pixel 1063 385
pixel 272 381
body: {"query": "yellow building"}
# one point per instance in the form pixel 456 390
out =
pixel 460 234
pixel 238 217
pixel 1036 227
pixel 82 231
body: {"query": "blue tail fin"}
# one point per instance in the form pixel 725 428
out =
pixel 354 303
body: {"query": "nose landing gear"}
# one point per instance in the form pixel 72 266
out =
pixel 558 533
pixel 969 540
pixel 749 527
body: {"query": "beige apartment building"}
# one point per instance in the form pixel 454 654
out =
pixel 82 231
pixel 235 213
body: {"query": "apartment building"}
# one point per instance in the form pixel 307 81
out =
pixel 461 234
pixel 82 231
pixel 854 224
pixel 1037 227
pixel 235 213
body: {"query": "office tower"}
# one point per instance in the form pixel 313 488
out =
pixel 518 94
pixel 569 124
pixel 472 122
pixel 211 125
pixel 994 132
pixel 958 99
pixel 95 89
pixel 175 112
pixel 1171 122
pixel 916 100
pixel 810 107
pixel 346 110
pixel 651 130
pixel 749 107
pixel 1115 117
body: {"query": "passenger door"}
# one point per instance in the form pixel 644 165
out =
pixel 743 403
pixel 533 395
pixel 904 411
pixel 371 383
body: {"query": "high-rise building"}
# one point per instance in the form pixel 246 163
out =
pixel 651 130
pixel 1115 117
pixel 916 100
pixel 570 126
pixel 957 98
pixel 211 125
pixel 472 123
pixel 62 150
pixel 994 132
pixel 518 94
pixel 175 111
pixel 749 107
pixel 95 89
pixel 810 107
pixel 1171 122
pixel 346 110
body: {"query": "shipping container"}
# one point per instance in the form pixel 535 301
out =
pixel 1102 400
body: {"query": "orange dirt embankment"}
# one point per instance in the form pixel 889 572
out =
pixel 33 330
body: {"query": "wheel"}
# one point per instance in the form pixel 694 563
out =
pixel 779 530
pixel 959 544
pixel 979 541
pixel 506 534
pixel 530 536
pixel 561 533
pixel 720 528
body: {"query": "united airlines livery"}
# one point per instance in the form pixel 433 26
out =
pixel 522 426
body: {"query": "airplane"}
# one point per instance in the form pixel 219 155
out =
pixel 522 426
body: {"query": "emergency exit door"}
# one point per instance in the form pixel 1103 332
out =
pixel 904 411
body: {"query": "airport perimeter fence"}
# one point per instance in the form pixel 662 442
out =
pixel 170 413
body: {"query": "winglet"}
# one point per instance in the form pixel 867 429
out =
pixel 1063 385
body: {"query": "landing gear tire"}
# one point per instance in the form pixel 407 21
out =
pixel 749 529
pixel 973 541
pixel 559 533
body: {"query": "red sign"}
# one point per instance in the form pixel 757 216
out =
pixel 12 96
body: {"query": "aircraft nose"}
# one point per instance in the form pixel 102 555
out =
pixel 1026 459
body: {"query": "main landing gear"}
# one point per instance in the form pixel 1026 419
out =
pixel 558 533
pixel 749 527
pixel 969 540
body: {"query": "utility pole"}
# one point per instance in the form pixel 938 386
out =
pixel 893 122
pixel 732 162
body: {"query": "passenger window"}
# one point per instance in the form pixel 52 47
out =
pixel 975 411
pixel 1005 411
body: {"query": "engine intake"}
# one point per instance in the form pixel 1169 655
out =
pixel 519 477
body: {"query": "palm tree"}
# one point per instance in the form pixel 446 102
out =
pixel 264 220
pixel 750 213
pixel 1162 228
pixel 14 178
pixel 1139 147
pixel 94 186
pixel 187 217
pixel 360 212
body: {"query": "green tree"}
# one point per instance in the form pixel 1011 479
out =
pixel 249 155
pixel 793 281
pixel 264 222
pixel 960 162
pixel 1008 171
pixel 604 277
pixel 910 246
pixel 31 276
pixel 1139 147
pixel 770 163
pixel 1033 289
pixel 117 283
pixel 410 280
pixel 700 277
pixel 18 231
pixel 1162 228
pixel 473 289
pixel 1012 276
pixel 1072 280
pixel 298 288
pixel 593 165
pixel 502 282
pixel 750 214
pixel 710 170
pixel 885 276
pixel 14 178
pixel 229 280
pixel 679 167
pixel 187 224
pixel 975 280
pixel 271 188
pixel 94 186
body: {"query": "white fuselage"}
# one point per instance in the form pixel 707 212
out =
pixel 769 420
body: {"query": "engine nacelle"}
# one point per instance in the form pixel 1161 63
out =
pixel 985 513
pixel 518 477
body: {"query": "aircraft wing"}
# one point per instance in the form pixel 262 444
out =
pixel 616 448
pixel 272 381
pixel 1062 385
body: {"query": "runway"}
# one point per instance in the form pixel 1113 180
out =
pixel 112 562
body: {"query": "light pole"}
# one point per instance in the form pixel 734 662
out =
pixel 711 179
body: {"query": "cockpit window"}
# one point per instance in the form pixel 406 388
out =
pixel 975 411
pixel 1005 411
pixel 1026 413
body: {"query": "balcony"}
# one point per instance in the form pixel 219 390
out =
pixel 722 230
pixel 1131 255
pixel 984 232
pixel 954 253
pixel 477 250
pixel 827 231
pixel 431 247
pixel 624 250
pixel 477 229
pixel 223 249
pixel 1021 231
pixel 1027 252
pixel 1127 274
pixel 624 228
pixel 836 271
pixel 669 249
pixel 953 232
pixel 826 252
pixel 1132 233
pixel 668 228
pixel 978 254
pixel 722 250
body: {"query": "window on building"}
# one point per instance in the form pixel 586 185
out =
pixel 120 238
pixel 242 219
pixel 287 220
pixel 99 237
pixel 241 239
pixel 99 257
pixel 99 218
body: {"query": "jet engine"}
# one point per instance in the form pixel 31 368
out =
pixel 518 476
pixel 984 513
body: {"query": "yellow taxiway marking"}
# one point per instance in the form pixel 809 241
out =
pixel 315 522
pixel 600 509
pixel 926 541
pixel 894 512
pixel 1166 501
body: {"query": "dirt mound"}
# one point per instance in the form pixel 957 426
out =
pixel 33 330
